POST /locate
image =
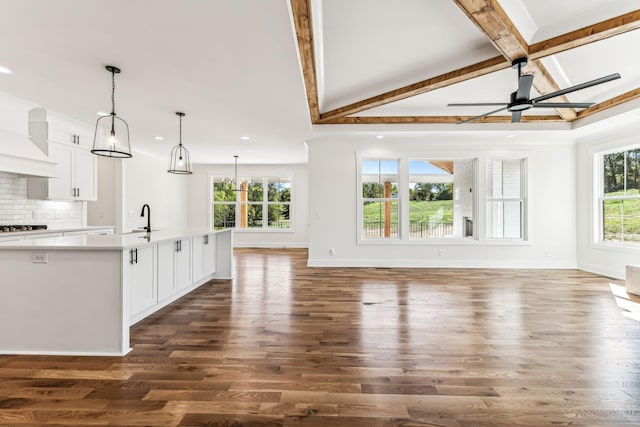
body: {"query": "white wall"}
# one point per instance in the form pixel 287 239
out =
pixel 607 260
pixel 140 179
pixel 333 200
pixel 199 206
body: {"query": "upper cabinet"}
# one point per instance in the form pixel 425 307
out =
pixel 68 143
pixel 68 133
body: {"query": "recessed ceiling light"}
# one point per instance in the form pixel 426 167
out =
pixel 511 135
pixel 379 136
pixel 245 138
pixel 5 70
pixel 100 113
pixel 158 138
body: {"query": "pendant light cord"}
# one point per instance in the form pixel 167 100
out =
pixel 180 140
pixel 113 93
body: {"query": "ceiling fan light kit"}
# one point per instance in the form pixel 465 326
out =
pixel 520 99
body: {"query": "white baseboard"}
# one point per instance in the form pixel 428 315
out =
pixel 62 353
pixel 386 263
pixel 270 245
pixel 602 270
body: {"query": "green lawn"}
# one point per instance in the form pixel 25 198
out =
pixel 437 210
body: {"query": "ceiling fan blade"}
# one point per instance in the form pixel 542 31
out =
pixel 480 104
pixel 482 115
pixel 515 116
pixel 524 86
pixel 563 104
pixel 577 87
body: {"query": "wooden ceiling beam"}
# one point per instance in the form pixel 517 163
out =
pixel 301 10
pixel 385 120
pixel 610 103
pixel 465 73
pixel 593 33
pixel 491 19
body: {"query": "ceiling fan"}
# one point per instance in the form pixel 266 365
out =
pixel 520 98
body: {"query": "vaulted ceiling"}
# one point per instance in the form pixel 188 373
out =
pixel 403 61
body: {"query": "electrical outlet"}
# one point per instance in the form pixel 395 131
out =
pixel 332 251
pixel 440 252
pixel 40 258
pixel 131 213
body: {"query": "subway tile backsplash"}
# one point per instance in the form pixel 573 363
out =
pixel 15 208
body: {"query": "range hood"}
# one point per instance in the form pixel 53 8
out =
pixel 19 155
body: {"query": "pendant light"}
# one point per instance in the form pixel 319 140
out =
pixel 235 181
pixel 112 133
pixel 180 161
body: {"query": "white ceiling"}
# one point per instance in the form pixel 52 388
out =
pixel 232 65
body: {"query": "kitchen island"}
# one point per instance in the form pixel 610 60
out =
pixel 79 295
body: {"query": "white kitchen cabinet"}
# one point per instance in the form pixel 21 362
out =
pixel 166 286
pixel 69 132
pixel 174 267
pixel 141 281
pixel 85 175
pixel 203 253
pixel 76 176
pixel 182 264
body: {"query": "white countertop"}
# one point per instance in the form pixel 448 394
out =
pixel 104 242
pixel 57 230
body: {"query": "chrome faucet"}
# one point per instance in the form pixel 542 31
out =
pixel 148 227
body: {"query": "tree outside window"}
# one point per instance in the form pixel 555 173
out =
pixel 245 204
pixel 620 198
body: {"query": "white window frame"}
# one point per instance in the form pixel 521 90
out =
pixel 523 199
pixel 265 203
pixel 600 198
pixel 361 200
pixel 403 199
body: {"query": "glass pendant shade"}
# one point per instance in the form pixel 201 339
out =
pixel 112 133
pixel 112 137
pixel 180 161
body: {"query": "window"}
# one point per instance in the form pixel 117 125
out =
pixel 246 205
pixel 619 198
pixel 415 199
pixel 440 198
pixel 505 202
pixel 379 194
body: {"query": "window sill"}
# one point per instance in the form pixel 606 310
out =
pixel 612 247
pixel 460 241
pixel 261 230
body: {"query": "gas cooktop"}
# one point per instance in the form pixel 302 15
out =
pixel 21 227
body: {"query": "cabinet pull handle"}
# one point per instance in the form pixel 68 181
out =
pixel 179 245
pixel 130 256
pixel 136 255
pixel 78 191
pixel 176 245
pixel 206 239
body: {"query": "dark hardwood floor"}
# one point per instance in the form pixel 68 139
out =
pixel 287 345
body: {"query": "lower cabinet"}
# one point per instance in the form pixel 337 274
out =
pixel 166 287
pixel 203 256
pixel 174 267
pixel 182 264
pixel 140 274
pixel 158 272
